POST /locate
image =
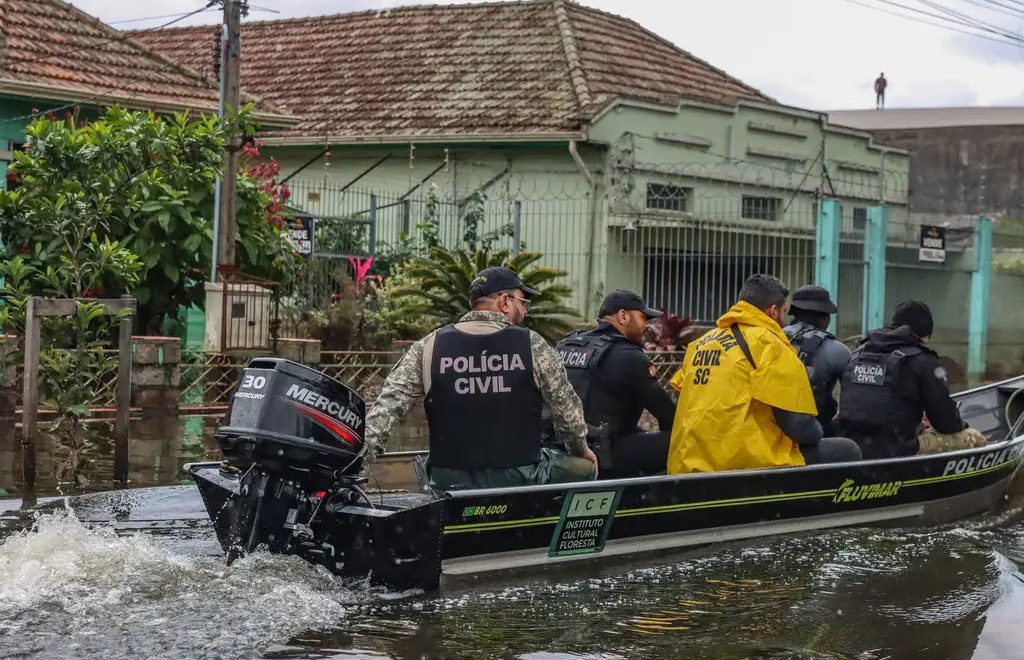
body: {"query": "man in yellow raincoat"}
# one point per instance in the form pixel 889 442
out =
pixel 745 400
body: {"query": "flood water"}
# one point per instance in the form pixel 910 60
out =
pixel 153 584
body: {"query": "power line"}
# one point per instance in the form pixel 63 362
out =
pixel 954 21
pixel 154 18
pixel 94 99
pixel 997 7
pixel 970 21
pixel 948 28
pixel 208 8
pixel 1017 3
pixel 115 40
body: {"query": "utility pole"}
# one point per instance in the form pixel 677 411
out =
pixel 224 236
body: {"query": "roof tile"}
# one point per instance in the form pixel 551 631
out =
pixel 507 68
pixel 52 44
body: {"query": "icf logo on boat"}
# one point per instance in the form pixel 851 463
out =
pixel 975 463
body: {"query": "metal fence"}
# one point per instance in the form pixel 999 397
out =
pixel 209 379
pixel 685 235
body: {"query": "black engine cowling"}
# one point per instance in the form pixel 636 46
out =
pixel 294 422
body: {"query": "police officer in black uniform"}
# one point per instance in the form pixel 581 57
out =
pixel 616 382
pixel 891 380
pixel 824 356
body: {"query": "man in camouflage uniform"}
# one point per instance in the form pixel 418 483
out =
pixel 931 441
pixel 486 382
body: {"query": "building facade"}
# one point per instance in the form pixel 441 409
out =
pixel 624 159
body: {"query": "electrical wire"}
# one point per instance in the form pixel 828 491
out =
pixel 949 28
pixel 970 21
pixel 103 44
pixel 108 91
pixel 155 18
pixel 997 7
pixel 1006 35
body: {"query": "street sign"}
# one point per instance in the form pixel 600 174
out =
pixel 933 244
pixel 301 231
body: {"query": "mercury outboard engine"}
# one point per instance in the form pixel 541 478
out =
pixel 294 439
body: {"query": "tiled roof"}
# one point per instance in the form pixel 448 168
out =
pixel 51 50
pixel 510 69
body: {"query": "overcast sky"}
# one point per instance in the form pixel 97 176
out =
pixel 816 54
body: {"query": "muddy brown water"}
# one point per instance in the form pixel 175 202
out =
pixel 119 590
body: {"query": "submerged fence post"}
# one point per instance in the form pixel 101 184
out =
pixel 981 278
pixel 30 396
pixel 124 392
pixel 826 264
pixel 874 268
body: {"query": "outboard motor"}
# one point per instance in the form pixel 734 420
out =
pixel 294 438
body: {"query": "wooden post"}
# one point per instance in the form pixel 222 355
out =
pixel 124 393
pixel 230 75
pixel 30 397
pixel 39 307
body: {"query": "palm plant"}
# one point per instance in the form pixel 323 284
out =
pixel 440 287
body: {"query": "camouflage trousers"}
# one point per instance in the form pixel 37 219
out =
pixel 555 467
pixel 933 442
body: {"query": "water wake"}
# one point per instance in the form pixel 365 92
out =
pixel 72 591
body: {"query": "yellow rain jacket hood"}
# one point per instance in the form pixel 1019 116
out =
pixel 724 418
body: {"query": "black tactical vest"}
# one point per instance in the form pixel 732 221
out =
pixel 807 343
pixel 871 397
pixel 483 407
pixel 582 353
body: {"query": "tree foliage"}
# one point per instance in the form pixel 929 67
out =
pixel 74 367
pixel 147 183
pixel 439 288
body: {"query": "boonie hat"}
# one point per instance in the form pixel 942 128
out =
pixel 495 279
pixel 813 298
pixel 622 299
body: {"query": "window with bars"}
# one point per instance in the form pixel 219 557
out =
pixel 666 197
pixel 760 208
pixel 860 218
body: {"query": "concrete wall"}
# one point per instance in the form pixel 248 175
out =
pixel 963 170
pixel 720 155
pixel 723 154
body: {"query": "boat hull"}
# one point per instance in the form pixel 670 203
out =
pixel 469 532
pixel 405 537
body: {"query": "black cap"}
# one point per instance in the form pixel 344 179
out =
pixel 813 298
pixel 495 279
pixel 622 299
pixel 917 315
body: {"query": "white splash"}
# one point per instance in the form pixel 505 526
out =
pixel 73 591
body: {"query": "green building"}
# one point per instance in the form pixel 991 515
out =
pixel 623 158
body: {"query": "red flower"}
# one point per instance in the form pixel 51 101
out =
pixel 24 249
